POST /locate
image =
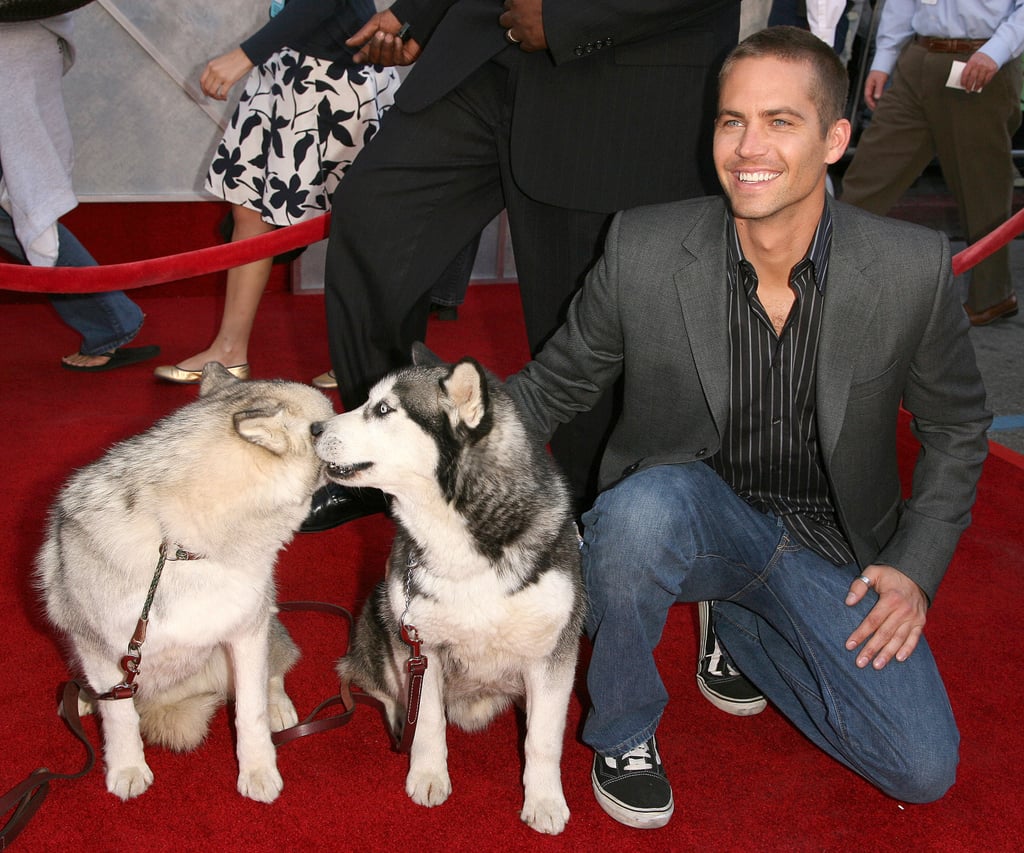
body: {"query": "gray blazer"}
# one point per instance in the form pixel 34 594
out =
pixel 653 310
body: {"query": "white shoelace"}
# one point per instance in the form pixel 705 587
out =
pixel 638 759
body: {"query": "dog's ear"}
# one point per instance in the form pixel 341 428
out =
pixel 466 388
pixel 265 428
pixel 423 357
pixel 215 376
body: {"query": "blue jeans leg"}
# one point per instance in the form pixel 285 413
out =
pixel 893 726
pixel 665 534
pixel 105 321
pixel 679 533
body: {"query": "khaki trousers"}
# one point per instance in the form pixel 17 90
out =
pixel 919 118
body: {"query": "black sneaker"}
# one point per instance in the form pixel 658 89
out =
pixel 633 788
pixel 722 684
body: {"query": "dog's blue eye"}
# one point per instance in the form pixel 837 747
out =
pixel 383 408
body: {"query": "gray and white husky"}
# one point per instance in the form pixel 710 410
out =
pixel 485 566
pixel 220 485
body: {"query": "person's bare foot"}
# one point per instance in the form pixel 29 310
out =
pixel 79 359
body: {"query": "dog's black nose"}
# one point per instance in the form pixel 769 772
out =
pixel 316 428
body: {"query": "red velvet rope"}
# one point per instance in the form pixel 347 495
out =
pixel 992 242
pixel 159 270
pixel 201 261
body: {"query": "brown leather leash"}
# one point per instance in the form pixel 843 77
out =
pixel 24 799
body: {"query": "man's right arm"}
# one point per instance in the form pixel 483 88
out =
pixel 582 359
pixel 894 31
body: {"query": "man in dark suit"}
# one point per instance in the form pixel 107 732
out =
pixel 766 344
pixel 559 112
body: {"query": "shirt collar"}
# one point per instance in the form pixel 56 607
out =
pixel 818 252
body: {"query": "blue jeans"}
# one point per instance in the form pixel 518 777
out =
pixel 105 321
pixel 679 533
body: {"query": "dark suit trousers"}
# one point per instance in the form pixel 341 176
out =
pixel 427 184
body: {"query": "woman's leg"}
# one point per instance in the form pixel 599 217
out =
pixel 245 287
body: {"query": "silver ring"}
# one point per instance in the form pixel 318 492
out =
pixel 512 39
pixel 866 580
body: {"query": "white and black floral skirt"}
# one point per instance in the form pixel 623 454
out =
pixel 298 126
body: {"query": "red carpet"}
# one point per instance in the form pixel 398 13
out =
pixel 740 784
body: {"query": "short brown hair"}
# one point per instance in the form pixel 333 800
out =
pixel 829 82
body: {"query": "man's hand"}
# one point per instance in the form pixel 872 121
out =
pixel 978 71
pixel 523 21
pixel 223 72
pixel 379 42
pixel 894 625
pixel 874 86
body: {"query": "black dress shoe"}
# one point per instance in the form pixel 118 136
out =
pixel 335 504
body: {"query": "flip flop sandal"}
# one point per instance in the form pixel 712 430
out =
pixel 120 357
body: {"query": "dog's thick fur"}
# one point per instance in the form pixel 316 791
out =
pixel 485 565
pixel 229 478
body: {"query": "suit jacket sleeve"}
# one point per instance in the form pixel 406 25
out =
pixel 582 359
pixel 945 396
pixel 423 16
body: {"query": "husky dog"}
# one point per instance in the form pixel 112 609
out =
pixel 485 566
pixel 219 486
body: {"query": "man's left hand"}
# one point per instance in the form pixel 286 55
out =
pixel 523 22
pixel 978 71
pixel 893 626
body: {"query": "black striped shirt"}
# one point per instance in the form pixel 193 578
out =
pixel 770 454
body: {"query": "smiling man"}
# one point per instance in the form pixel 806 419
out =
pixel 767 342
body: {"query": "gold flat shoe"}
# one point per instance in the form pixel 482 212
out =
pixel 173 373
pixel 325 380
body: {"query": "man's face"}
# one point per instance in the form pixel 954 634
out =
pixel 769 151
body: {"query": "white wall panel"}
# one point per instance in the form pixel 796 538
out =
pixel 141 126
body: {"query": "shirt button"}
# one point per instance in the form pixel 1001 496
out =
pixel 702 452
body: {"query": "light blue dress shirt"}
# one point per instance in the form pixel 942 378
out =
pixel 999 21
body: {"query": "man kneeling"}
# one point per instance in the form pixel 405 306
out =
pixel 766 342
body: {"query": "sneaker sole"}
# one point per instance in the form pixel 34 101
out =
pixel 731 706
pixel 628 816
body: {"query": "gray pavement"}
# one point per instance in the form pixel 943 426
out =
pixel 1000 351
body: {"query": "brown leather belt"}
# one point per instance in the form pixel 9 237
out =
pixel 937 45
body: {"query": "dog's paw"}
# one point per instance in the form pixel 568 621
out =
pixel 428 788
pixel 262 784
pixel 546 815
pixel 281 712
pixel 128 782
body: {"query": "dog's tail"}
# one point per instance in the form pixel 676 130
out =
pixel 180 725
